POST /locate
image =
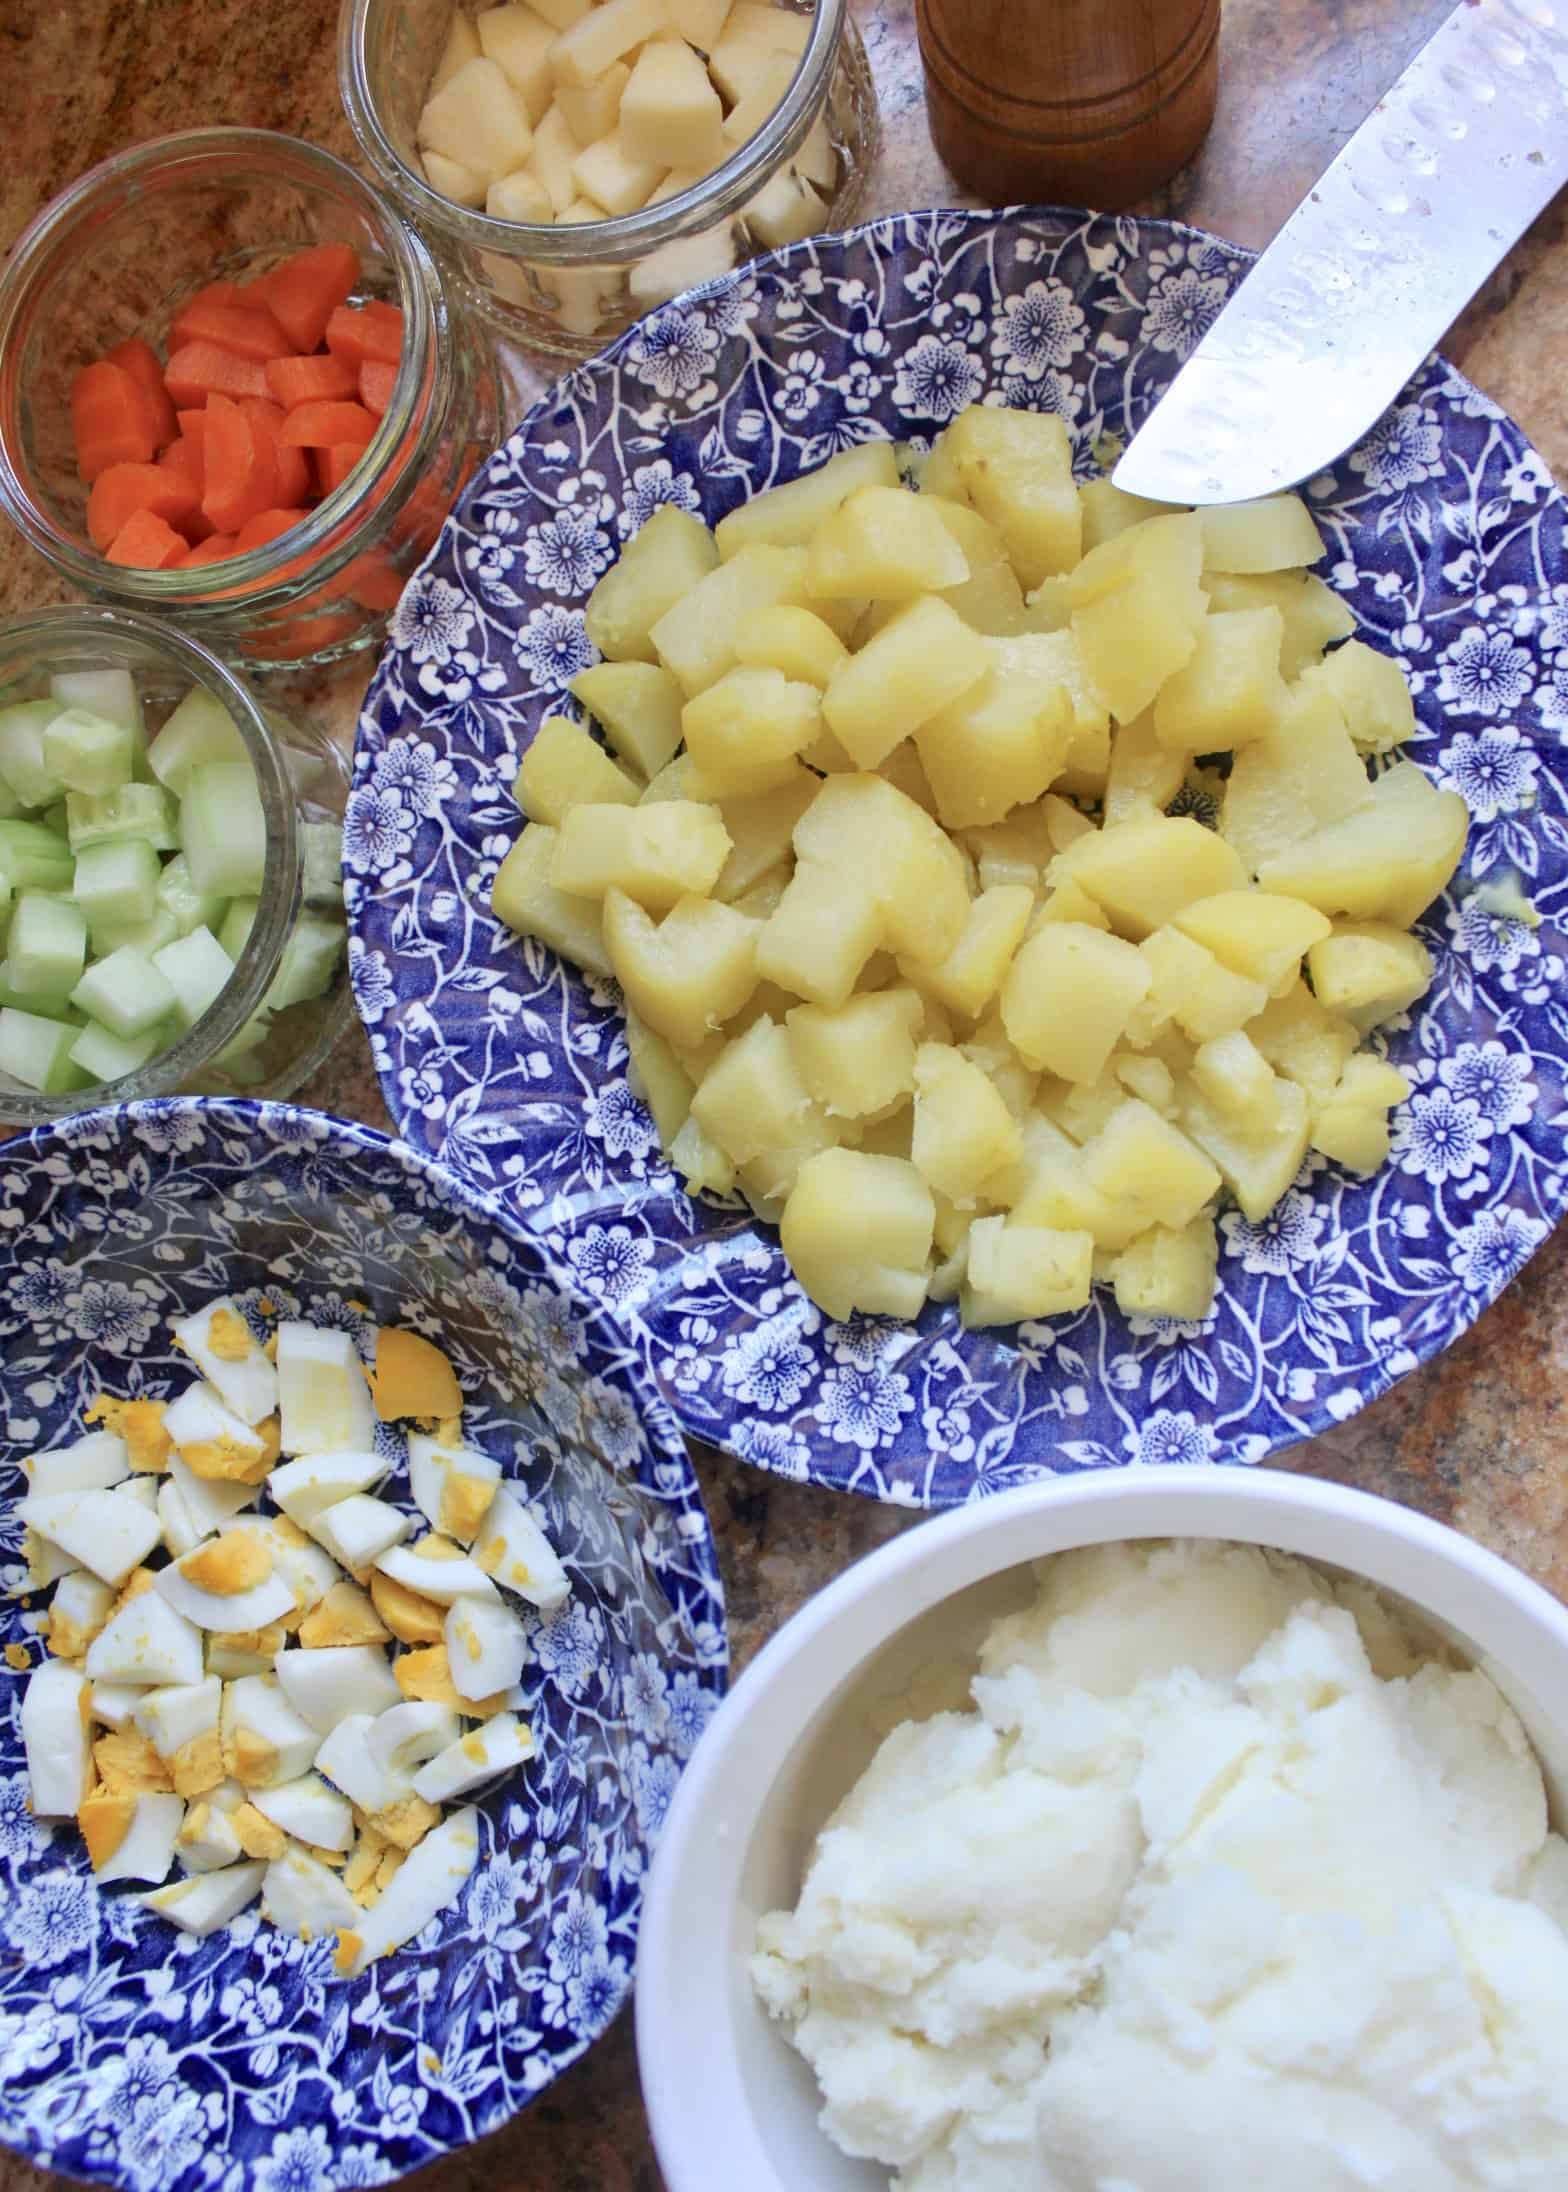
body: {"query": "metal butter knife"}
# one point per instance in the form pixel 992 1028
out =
pixel 1365 277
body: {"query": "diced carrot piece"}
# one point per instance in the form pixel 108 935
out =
pixel 193 424
pixel 145 367
pixel 183 457
pixel 212 293
pixel 266 525
pixel 249 330
pixel 147 542
pixel 110 420
pixel 310 380
pixel 328 425
pixel 241 467
pixel 304 291
pixel 362 332
pixel 302 636
pixel 293 466
pixel 217 548
pixel 333 466
pixel 373 580
pixel 123 489
pixel 376 382
pixel 198 370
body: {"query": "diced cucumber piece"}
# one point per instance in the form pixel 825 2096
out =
pixel 47 1008
pixel 110 693
pixel 116 883
pixel 22 762
pixel 37 1052
pixel 126 992
pixel 46 948
pixel 197 968
pixel 147 937
pixel 241 1059
pixel 135 810
pixel 310 959
pixel 34 857
pixel 106 1056
pixel 9 803
pixel 178 895
pixel 322 882
pixel 201 729
pixel 223 829
pixel 238 922
pixel 56 818
pixel 87 752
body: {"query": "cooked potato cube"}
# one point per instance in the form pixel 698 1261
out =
pixel 524 897
pixel 555 149
pixel 700 1161
pixel 1189 986
pixel 1233 1073
pixel 1002 741
pixel 1386 862
pixel 670 113
pixel 964 1133
pixel 1046 1187
pixel 990 598
pixel 478 120
pixel 638 705
pixel 862 827
pixel 1109 510
pixel 518 40
pixel 681 263
pixel 794 641
pixel 462 44
pixel 989 1049
pixel 908 673
pixel 762 900
pixel 1018 850
pixel 1259 1156
pixel 1147 1169
pixel 659 1078
pixel 1352 1127
pixel 884 544
pixel 901 768
pixel 1299 777
pixel 655 854
pixel 1230 691
pixel 744 732
pixel 859 1057
pixel 789 516
pixel 826 926
pixel 606 174
pixel 1371 693
pixel 1136 610
pixel 1143 777
pixel 678 779
pixel 687 974
pixel 519 197
pixel 761 826
pixel 1304 1041
pixel 1255 933
pixel 563 768
pixel 1068 996
pixel 562 13
pixel 598 39
pixel 1016 467
pixel 1069 901
pixel 1314 615
pixel 696 636
pixel 1275 533
pixel 752 1098
pixel 1144 873
pixel 659 566
pixel 857 1231
pixel 971 974
pixel 1166 1274
pixel 1015 1273
pixel 1369 971
pixel 699 22
pixel 463 185
pixel 592 110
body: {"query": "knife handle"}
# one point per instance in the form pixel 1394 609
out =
pixel 1085 102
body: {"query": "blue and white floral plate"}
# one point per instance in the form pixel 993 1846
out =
pixel 135 2056
pixel 1445 534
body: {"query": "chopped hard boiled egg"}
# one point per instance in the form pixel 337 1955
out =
pixel 514 1550
pixel 485 1647
pixel 322 1391
pixel 310 1811
pixel 346 1760
pixel 106 1531
pixel 208 1900
pixel 146 1641
pixel 306 1488
pixel 207 1503
pixel 229 1356
pixel 437 1571
pixel 228 1583
pixel 131 1837
pixel 406 1735
pixel 113 1704
pixel 453 1485
pixel 302 1896
pixel 358 1530
pixel 412 1378
pixel 327 1686
pixel 81 1605
pixel 345 1616
pixel 54 1735
pixel 499 1745
pixel 207 1840
pixel 265 1741
pixel 214 1442
pixel 430 1878
pixel 95 1463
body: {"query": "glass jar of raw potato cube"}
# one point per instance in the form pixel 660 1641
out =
pixel 584 161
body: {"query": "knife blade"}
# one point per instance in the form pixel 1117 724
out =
pixel 1366 276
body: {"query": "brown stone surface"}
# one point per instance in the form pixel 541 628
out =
pixel 1475 1437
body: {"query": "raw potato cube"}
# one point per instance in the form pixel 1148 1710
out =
pixel 789 516
pixel 1386 862
pixel 518 40
pixel 659 1078
pixel 598 39
pixel 638 705
pixel 971 974
pixel 1255 933
pixel 1016 467
pixel 857 1231
pixel 655 854
pixel 1369 971
pixel 1372 695
pixel 1143 777
pixel 883 544
pixel 744 732
pixel 699 22
pixel 1230 691
pixel 1351 1127
pixel 1259 1157
pixel 827 925
pixel 1233 1074
pixel 1137 609
pixel 462 44
pixel 1068 997
pixel 1002 741
pixel 1017 1273
pixel 465 186
pixel 687 974
pixel 990 599
pixel 1144 873
pixel 794 641
pixel 670 112
pixel 524 897
pixel 761 827
pixel 925 658
pixel 555 149
pixel 860 1057
pixel 658 567
pixel 519 197
pixel 606 174
pixel 864 828
pixel 1166 1274
pixel 964 1133
pixel 592 110
pixel 1304 1041
pixel 1313 613
pixel 563 768
pixel 765 85
pixel 681 263
pixel 478 120
pixel 1293 781
pixel 1147 1169
pixel 1275 533
pixel 1109 510
pixel 696 636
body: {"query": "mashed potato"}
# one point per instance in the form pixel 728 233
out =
pixel 1228 1882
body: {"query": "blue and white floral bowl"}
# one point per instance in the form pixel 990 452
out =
pixel 135 2056
pixel 1446 536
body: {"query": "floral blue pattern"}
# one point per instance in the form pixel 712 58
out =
pixel 134 2056
pixel 1445 535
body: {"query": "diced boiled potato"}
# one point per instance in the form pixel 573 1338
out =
pixel 817 159
pixel 1016 468
pixel 659 1078
pixel 1371 694
pixel 1351 1126
pixel 858 1057
pixel 1048 608
pixel 990 600
pixel 882 544
pixel 659 567
pixel 762 899
pixel 518 40
pixel 1387 861
pixel 465 186
pixel 519 197
pixel 794 641
pixel 1144 873
pixel 700 1161
pixel 1314 615
pixel 761 826
pixel 1303 1040
pixel 971 974
pixel 478 120
pixel 1293 781
pixel 1046 1187
pixel 744 732
pixel 857 1231
pixel 789 516
pixel 681 263
pixel 601 36
pixel 1147 1169
pixel 1018 850
pixel 606 174
pixel 1069 901
pixel 555 149
pixel 1234 1074
pixel 740 66
pixel 563 768
pixel 752 1098
pixel 913 668
pixel 1137 608
pixel 695 637
pixel 1255 933
pixel 1260 1156
pixel 1369 971
pixel 1068 996
pixel 1148 1078
pixel 1015 1272
pixel 670 113
pixel 870 831
pixel 1230 690
pixel 1003 740
pixel 1189 986
pixel 655 854
pixel 562 14
pixel 826 926
pixel 462 44
pixel 1275 533
pixel 689 973
pixel 524 897
pixel 1169 1274
pixel 592 110
pixel 765 86
pixel 1109 510
pixel 638 705
pixel 1016 1083
pixel 963 1131
pixel 1143 777
pixel 699 22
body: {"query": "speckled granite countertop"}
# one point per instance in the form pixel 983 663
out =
pixel 1472 1438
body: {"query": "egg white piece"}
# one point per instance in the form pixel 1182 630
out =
pixel 485 1646
pixel 180 1534
pixel 437 1579
pixel 106 1531
pixel 177 1714
pixel 146 1642
pixel 345 1759
pixel 430 1880
pixel 227 1796
pixel 214 1842
pixel 512 1548
pixel 144 1490
pixel 310 1572
pixel 309 1810
pixel 201 1417
pixel 323 1394
pixel 234 1661
pixel 407 1735
pixel 81 1600
pixel 114 1704
pixel 329 1685
pixel 46 1563
pixel 254 1708
pixel 444 1479
pixel 302 1896
pixel 209 1502
pixel 308 1487
pixel 493 1748
pixel 358 1530
pixel 249 1385
pixel 95 1463
pixel 146 1849
pixel 208 1900
pixel 227 1611
pixel 55 1737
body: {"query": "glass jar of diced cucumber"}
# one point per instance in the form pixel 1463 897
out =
pixel 171 899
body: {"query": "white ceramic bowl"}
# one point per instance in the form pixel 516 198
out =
pixel 718 2076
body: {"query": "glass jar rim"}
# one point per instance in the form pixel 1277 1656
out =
pixel 56 632
pixel 712 199
pixel 259 578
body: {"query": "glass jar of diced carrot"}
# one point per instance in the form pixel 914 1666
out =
pixel 233 389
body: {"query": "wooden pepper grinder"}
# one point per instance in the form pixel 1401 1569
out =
pixel 1080 102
